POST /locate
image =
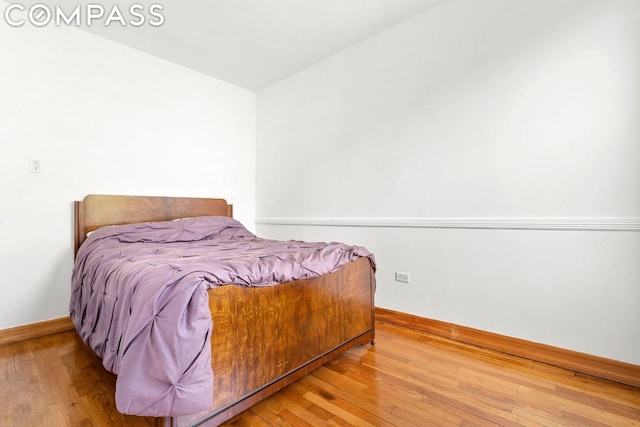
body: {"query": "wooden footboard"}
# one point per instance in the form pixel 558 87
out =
pixel 265 338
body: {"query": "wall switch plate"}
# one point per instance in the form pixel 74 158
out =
pixel 35 165
pixel 402 277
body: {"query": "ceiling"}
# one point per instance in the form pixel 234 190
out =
pixel 254 43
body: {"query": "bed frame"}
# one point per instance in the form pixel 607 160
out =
pixel 282 332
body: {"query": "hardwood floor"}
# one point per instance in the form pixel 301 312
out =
pixel 408 378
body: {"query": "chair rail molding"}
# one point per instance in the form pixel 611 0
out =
pixel 580 224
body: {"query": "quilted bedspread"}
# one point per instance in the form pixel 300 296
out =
pixel 139 300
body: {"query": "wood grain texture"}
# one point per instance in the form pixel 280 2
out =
pixel 56 380
pixel 265 334
pixel 35 330
pixel 409 378
pixel 98 210
pixel 263 338
pixel 608 369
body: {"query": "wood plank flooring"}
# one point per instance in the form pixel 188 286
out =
pixel 408 378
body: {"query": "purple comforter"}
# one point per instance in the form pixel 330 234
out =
pixel 139 300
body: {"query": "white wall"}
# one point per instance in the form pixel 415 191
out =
pixel 487 114
pixel 102 118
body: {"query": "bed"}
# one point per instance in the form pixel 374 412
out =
pixel 263 337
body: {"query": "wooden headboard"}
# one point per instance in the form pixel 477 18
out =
pixel 98 210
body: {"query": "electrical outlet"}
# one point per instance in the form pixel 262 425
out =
pixel 403 277
pixel 35 165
